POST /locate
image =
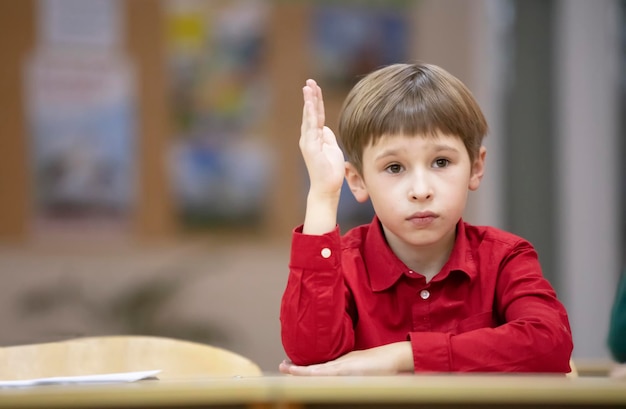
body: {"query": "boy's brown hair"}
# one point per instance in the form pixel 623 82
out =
pixel 409 99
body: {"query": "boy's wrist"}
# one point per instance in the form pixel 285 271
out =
pixel 316 196
pixel 321 213
pixel 402 355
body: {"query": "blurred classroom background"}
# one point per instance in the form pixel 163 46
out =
pixel 150 175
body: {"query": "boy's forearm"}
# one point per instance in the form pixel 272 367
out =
pixel 321 214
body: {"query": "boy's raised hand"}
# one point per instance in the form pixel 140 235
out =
pixel 323 157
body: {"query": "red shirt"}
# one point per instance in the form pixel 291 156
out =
pixel 488 309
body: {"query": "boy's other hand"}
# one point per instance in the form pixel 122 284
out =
pixel 390 359
pixel 323 157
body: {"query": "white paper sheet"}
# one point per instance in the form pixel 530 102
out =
pixel 100 378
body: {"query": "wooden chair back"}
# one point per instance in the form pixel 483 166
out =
pixel 176 358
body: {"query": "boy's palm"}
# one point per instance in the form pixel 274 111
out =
pixel 323 157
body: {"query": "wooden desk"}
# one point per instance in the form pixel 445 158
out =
pixel 468 391
pixel 594 367
pixel 444 391
pixel 210 393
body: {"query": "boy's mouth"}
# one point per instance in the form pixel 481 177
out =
pixel 422 218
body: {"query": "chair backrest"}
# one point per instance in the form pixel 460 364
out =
pixel 177 359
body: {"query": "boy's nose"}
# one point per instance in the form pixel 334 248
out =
pixel 420 189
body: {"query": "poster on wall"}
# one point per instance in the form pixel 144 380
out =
pixel 96 24
pixel 352 39
pixel 81 119
pixel 219 163
pixel 79 101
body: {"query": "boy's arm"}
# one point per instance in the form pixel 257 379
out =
pixel 324 162
pixel 390 359
pixel 315 324
pixel 535 335
pixel 316 311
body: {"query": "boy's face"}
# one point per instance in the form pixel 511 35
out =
pixel 418 187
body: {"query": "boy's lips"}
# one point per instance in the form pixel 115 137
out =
pixel 422 218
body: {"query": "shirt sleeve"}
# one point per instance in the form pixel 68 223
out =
pixel 535 335
pixel 315 325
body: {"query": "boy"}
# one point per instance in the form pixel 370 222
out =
pixel 418 289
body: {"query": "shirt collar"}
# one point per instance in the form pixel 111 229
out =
pixel 385 268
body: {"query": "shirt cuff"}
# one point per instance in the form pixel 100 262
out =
pixel 312 252
pixel 431 351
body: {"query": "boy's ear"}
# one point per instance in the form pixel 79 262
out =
pixel 478 169
pixel 356 183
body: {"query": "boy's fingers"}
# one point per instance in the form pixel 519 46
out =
pixel 310 116
pixel 307 93
pixel 318 99
pixel 321 115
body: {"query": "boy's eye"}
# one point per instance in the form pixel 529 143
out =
pixel 441 163
pixel 395 168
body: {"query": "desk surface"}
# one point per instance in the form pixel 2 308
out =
pixel 282 391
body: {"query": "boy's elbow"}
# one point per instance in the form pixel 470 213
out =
pixel 304 353
pixel 306 350
pixel 550 350
pixel 295 352
pixel 559 359
pixel 563 359
pixel 299 350
pixel 561 347
pixel 301 358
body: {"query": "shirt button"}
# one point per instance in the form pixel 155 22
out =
pixel 411 272
pixel 424 294
pixel 326 252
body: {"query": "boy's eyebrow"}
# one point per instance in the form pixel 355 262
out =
pixel 444 147
pixel 435 148
pixel 386 152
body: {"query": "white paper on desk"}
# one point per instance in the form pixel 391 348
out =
pixel 101 378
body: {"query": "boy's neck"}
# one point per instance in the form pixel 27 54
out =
pixel 425 260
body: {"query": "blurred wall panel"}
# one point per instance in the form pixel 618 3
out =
pixel 17 37
pixel 530 147
pixel 588 156
pixel 288 62
pixel 146 46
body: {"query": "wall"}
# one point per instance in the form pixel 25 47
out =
pixel 464 37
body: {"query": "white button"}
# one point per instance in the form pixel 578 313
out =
pixel 326 252
pixel 424 294
pixel 411 272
